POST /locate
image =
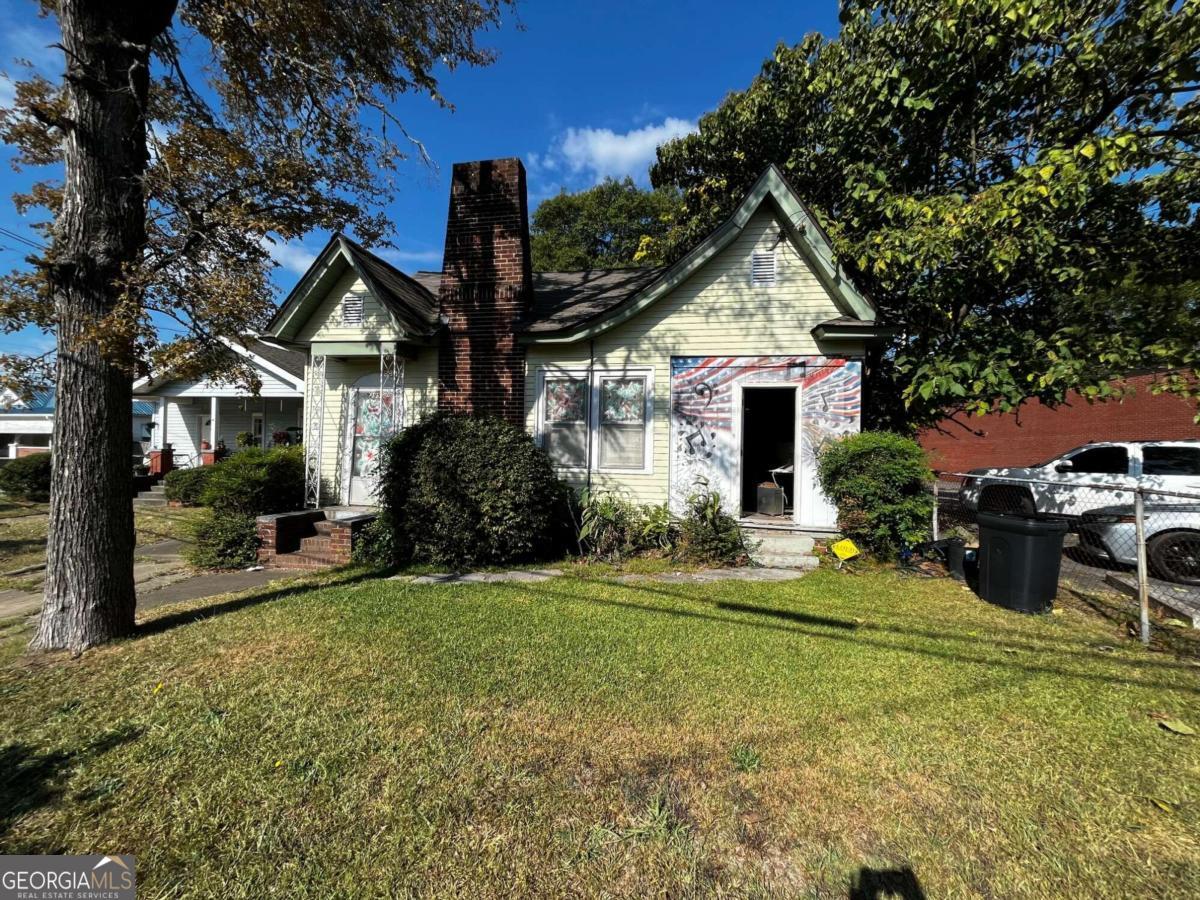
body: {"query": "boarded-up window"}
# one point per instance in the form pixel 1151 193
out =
pixel 352 309
pixel 762 269
pixel 566 420
pixel 623 422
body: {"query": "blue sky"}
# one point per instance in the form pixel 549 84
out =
pixel 579 91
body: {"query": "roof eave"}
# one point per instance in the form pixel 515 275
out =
pixel 800 222
pixel 865 331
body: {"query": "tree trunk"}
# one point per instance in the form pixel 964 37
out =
pixel 100 231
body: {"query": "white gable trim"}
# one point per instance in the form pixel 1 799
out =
pixel 797 220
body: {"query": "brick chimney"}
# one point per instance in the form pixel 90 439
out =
pixel 486 285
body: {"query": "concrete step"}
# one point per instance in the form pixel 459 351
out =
pixel 155 500
pixel 786 560
pixel 157 488
pixel 302 560
pixel 323 527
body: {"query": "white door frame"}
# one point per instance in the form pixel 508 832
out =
pixel 738 388
pixel 369 383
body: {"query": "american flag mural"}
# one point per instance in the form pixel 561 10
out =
pixel 703 450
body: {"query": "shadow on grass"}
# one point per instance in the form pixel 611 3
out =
pixel 876 884
pixel 30 779
pixel 166 622
pixel 877 637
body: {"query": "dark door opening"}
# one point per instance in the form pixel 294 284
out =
pixel 768 442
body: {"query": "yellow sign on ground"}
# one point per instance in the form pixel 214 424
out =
pixel 844 550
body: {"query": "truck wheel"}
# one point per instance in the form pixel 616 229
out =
pixel 1175 556
pixel 1007 498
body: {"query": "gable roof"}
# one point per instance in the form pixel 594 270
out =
pixel 412 306
pixel 286 365
pixel 608 311
pixel 41 403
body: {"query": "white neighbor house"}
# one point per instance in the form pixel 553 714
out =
pixel 198 415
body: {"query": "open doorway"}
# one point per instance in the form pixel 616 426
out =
pixel 768 444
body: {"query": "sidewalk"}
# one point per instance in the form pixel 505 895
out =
pixel 160 576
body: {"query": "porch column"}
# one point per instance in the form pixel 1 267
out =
pixel 160 416
pixel 214 430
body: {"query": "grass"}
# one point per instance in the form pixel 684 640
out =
pixel 23 539
pixel 584 737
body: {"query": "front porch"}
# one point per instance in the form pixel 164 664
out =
pixel 198 428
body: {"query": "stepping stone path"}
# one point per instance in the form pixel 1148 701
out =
pixel 703 576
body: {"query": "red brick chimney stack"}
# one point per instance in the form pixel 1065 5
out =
pixel 486 286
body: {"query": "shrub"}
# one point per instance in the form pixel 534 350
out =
pixel 375 544
pixel 880 483
pixel 187 485
pixel 224 541
pixel 27 478
pixel 254 482
pixel 466 491
pixel 612 527
pixel 709 535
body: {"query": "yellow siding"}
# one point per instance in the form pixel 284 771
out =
pixel 341 374
pixel 715 312
pixel 325 324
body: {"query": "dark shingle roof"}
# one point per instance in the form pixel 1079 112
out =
pixel 409 300
pixel 564 300
pixel 290 361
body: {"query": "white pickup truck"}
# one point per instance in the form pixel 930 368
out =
pixel 1088 477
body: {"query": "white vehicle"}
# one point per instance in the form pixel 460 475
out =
pixel 1062 487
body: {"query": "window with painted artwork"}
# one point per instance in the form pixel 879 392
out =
pixel 565 420
pixel 603 419
pixel 622 422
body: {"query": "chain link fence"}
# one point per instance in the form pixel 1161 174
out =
pixel 1127 547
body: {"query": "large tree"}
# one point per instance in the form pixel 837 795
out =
pixel 1015 183
pixel 614 225
pixel 190 134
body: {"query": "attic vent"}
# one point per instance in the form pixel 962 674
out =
pixel 352 308
pixel 762 269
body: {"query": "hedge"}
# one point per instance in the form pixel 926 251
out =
pixel 186 486
pixel 881 484
pixel 27 478
pixel 255 482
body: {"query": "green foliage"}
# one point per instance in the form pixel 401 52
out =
pixel 256 482
pixel 464 492
pixel 27 478
pixel 612 527
pixel 986 170
pixel 746 758
pixel 187 485
pixel 613 225
pixel 711 536
pixel 244 439
pixel 224 540
pixel 375 544
pixel 881 484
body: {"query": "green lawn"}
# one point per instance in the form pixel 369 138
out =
pixel 582 737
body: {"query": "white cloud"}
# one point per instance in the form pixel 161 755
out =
pixel 33 43
pixel 405 258
pixel 8 91
pixel 602 152
pixel 293 257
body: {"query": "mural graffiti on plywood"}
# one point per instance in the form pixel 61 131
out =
pixel 703 451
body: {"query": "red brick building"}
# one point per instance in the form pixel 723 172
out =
pixel 1036 433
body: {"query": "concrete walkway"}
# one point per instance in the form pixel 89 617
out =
pixel 160 576
pixel 529 576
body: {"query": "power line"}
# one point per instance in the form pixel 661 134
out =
pixel 22 239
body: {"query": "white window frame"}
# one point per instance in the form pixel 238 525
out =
pixel 755 281
pixel 593 415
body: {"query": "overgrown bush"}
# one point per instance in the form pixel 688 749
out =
pixel 612 527
pixel 186 486
pixel 709 535
pixel 255 482
pixel 224 541
pixel 881 484
pixel 375 544
pixel 27 478
pixel 464 491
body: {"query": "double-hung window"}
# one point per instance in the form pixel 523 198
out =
pixel 602 420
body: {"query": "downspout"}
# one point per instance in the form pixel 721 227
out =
pixel 591 381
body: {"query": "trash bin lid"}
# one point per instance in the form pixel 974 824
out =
pixel 1021 524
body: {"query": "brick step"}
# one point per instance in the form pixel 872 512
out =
pixel 302 560
pixel 319 546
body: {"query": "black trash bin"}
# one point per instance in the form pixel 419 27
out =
pixel 1019 559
